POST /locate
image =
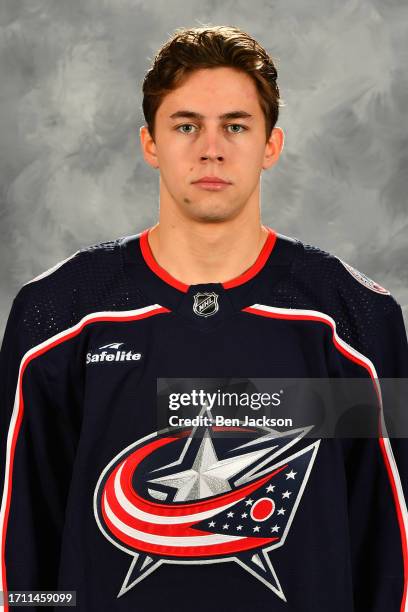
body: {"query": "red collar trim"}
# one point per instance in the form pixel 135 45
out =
pixel 234 282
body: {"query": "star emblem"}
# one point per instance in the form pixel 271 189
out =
pixel 220 480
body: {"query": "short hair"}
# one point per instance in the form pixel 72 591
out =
pixel 191 49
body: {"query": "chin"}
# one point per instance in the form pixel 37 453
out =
pixel 209 214
pixel 215 216
pixel 212 218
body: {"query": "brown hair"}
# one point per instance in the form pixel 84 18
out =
pixel 209 47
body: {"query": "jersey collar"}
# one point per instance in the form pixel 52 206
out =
pixel 234 282
pixel 251 287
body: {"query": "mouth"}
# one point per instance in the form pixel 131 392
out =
pixel 212 183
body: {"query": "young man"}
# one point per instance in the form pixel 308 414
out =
pixel 134 508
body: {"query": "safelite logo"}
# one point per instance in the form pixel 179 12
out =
pixel 113 353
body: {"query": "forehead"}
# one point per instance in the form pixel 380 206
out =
pixel 211 91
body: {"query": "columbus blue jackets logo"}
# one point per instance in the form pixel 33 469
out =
pixel 364 280
pixel 205 304
pixel 204 495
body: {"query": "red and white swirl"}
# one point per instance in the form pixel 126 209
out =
pixel 167 529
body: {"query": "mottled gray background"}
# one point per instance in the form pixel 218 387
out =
pixel 71 169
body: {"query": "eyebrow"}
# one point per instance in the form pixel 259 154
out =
pixel 239 114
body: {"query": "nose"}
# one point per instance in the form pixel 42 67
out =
pixel 211 146
pixel 211 156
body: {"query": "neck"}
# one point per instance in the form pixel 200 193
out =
pixel 196 252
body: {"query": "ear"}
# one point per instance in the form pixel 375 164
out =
pixel 148 147
pixel 273 147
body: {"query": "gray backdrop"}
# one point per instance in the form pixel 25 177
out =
pixel 71 169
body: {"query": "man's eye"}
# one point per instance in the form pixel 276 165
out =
pixel 189 128
pixel 237 125
pixel 188 125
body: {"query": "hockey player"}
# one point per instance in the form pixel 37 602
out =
pixel 102 502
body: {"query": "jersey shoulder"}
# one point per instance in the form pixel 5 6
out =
pixel 359 306
pixel 333 280
pixel 90 280
pixel 367 316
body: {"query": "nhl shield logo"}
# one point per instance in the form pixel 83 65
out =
pixel 205 304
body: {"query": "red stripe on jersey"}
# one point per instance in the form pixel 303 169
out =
pixel 365 363
pixel 75 330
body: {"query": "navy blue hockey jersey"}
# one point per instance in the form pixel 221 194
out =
pixel 99 498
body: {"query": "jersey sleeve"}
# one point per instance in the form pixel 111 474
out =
pixel 392 369
pixel 377 474
pixel 37 445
